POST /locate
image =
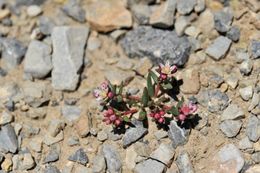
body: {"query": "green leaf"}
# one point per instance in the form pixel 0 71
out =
pixel 145 97
pixel 150 86
pixel 154 76
pixel 126 119
pixel 120 89
pixel 112 87
pixel 180 103
pixel 167 86
pixel 119 98
pixel 174 111
pixel 142 115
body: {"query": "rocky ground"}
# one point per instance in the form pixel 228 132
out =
pixel 54 53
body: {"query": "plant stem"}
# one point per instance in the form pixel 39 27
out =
pixel 157 89
pixel 130 112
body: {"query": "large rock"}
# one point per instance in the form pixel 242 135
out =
pixel 113 159
pixel 8 139
pixel 184 163
pixel 232 112
pixel 223 20
pixel 73 9
pixel 163 154
pixel 12 52
pixel 178 135
pixel 37 62
pixel 253 128
pixel 68 51
pixel 109 15
pixel 230 127
pixel 151 166
pixel 158 45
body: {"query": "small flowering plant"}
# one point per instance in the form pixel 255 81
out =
pixel 120 107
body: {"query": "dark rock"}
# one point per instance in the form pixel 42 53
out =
pixel 133 134
pixel 234 33
pixel 73 9
pixel 2 72
pixel 253 128
pixel 177 135
pixel 51 169
pixel 12 53
pixel 53 155
pixel 223 20
pixel 46 25
pixel 158 45
pixel 255 49
pixel 79 156
pixel 113 159
pixel 29 2
pixel 8 139
pixel 214 100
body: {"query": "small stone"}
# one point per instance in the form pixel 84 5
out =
pixel 246 67
pixel 245 144
pixel 163 15
pixel 37 63
pixel 253 5
pixel 51 169
pixel 246 93
pixel 27 162
pixel 36 144
pixel 253 128
pixel 133 134
pixel 215 80
pixel 255 101
pixel 4 13
pixel 93 43
pixel 8 139
pixel 184 163
pixel 200 6
pixel 102 136
pixel 131 157
pixel 232 112
pixel 151 166
pixel 7 165
pixel 229 158
pixel 99 165
pixel 82 126
pixel 124 64
pixel 79 156
pixel 46 25
pixel 219 48
pixel 256 157
pixel 192 31
pixel 163 154
pixel 68 51
pixel 253 169
pixel 177 135
pixel 53 155
pixel 112 159
pixel 144 66
pixel 232 81
pixel 198 58
pixel 12 52
pixel 230 127
pixel 158 45
pixel 141 13
pixel 181 24
pixel 71 113
pixel 234 33
pixel 73 140
pixel 105 16
pixel 160 134
pixel 34 10
pixel 185 6
pixel 191 82
pixel 5 118
pixel 55 127
pixel 223 20
pixel 241 55
pixel 206 22
pixel 255 49
pixel 74 10
pixel 214 100
pixel 49 140
pixel 116 76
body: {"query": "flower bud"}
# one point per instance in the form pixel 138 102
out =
pixel 110 95
pixel 110 111
pixel 112 117
pixel 163 76
pixel 162 113
pixel 182 117
pixel 161 120
pixel 107 121
pixel 157 116
pixel 117 122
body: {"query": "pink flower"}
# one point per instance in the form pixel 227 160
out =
pixel 101 92
pixel 186 110
pixel 118 122
pixel 167 70
pixel 193 107
pixel 182 117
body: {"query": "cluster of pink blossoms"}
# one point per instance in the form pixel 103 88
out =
pixel 102 92
pixel 158 116
pixel 186 110
pixel 111 118
pixel 166 70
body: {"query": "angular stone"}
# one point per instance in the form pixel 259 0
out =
pixel 34 10
pixel 131 157
pixel 5 118
pixel 245 144
pixel 68 51
pixel 185 6
pixel 191 82
pixel 113 160
pixel 99 165
pixel 234 33
pixel 253 128
pixel 133 134
pixel 82 126
pixel 255 49
pixel 219 48
pixel 109 15
pixel 53 155
pixel 163 16
pixel 177 135
pixel 46 25
pixel 253 169
pixel 37 62
pixel 232 81
pixel 232 112
pixel 71 113
pixel 230 127
pixel 55 126
pixel 181 24
pixel 141 13
pixel 256 157
pixel 151 166
pixel 184 163
pixel 49 140
pixel 214 100
pixel 102 136
pixel 12 52
pixel 246 93
pixel 255 101
pixel 223 20
pixel 73 9
pixel 253 5
pixel 200 6
pixel 163 154
pixel 27 162
pixel 51 169
pixel 79 156
pixel 246 67
pixel 8 139
pixel 158 45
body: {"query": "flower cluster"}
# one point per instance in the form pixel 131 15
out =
pixel 120 107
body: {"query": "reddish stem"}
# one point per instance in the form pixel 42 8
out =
pixel 130 112
pixel 157 89
pixel 166 108
pixel 132 97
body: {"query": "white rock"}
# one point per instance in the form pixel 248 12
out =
pixel 34 10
